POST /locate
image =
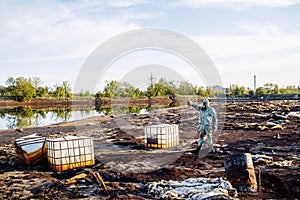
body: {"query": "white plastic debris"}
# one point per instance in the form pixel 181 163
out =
pixel 285 163
pixel 294 114
pixel 269 161
pixel 262 159
pixel 192 188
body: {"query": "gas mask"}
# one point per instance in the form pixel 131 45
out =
pixel 204 105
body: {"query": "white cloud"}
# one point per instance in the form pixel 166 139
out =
pixel 227 46
pixel 125 3
pixel 262 29
pixel 267 52
pixel 235 4
pixel 253 39
pixel 33 32
pixel 44 31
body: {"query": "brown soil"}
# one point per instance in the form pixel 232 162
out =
pixel 260 128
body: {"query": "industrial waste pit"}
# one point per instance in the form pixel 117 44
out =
pixel 274 151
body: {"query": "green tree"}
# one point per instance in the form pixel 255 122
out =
pixel 270 88
pixel 59 91
pixel 186 88
pixel 111 89
pixel 137 93
pixel 36 82
pixel 276 89
pixel 251 93
pixel 21 88
pixel 236 90
pixel 67 89
pixel 292 89
pixel 11 85
pixel 164 89
pixel 210 91
pixel 202 92
pixel 63 91
pixel 150 92
pixel 126 89
pixel 260 91
pixel 119 89
pixel 2 90
pixel 41 91
pixel 85 93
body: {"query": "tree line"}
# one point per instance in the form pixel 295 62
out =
pixel 26 89
pixel 173 89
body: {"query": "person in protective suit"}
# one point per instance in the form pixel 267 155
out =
pixel 207 121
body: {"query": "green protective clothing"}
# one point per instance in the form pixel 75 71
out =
pixel 207 121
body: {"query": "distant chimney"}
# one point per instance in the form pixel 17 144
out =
pixel 254 83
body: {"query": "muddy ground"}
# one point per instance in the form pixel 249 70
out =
pixel 268 130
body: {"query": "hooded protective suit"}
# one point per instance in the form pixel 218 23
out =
pixel 207 121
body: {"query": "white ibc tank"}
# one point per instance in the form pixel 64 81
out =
pixel 162 136
pixel 70 152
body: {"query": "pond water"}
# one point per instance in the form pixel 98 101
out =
pixel 24 117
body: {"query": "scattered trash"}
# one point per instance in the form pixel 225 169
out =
pixel 216 148
pixel 192 188
pixel 94 177
pixel 262 159
pixel 285 163
pixel 161 136
pixel 99 181
pixel 269 161
pixel 75 179
pixel 262 128
pixel 294 114
pixel 277 171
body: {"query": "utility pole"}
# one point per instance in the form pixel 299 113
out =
pixel 151 80
pixel 152 87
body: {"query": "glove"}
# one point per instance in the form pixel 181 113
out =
pixel 189 102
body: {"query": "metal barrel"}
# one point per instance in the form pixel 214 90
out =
pixel 240 172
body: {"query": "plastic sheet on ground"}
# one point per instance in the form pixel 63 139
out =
pixel 294 114
pixel 269 161
pixel 192 188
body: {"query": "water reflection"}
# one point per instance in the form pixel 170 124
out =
pixel 120 109
pixel 23 117
pixel 116 110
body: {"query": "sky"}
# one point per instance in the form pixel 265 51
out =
pixel 53 39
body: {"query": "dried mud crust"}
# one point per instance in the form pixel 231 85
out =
pixel 277 150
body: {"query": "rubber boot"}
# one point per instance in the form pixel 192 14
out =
pixel 198 149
